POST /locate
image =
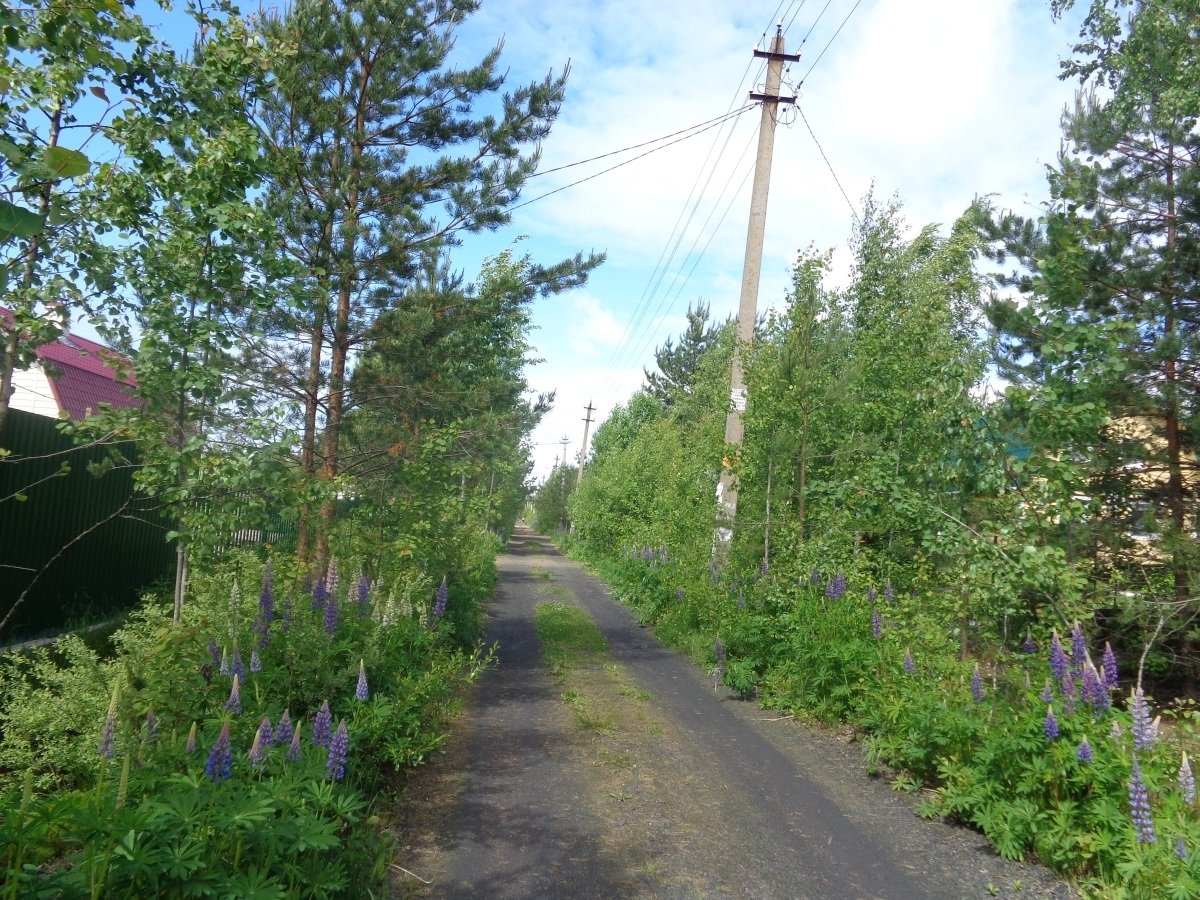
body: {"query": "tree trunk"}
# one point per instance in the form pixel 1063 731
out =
pixel 308 442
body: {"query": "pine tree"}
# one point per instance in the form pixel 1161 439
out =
pixel 385 154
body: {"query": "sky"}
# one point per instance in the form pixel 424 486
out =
pixel 932 102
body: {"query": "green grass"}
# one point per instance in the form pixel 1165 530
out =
pixel 567 632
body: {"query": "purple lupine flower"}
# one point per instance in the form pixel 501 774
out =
pixel 268 735
pixel 293 751
pixel 1029 645
pixel 1090 684
pixel 871 596
pixel 364 594
pixel 1084 753
pixel 321 723
pixel 719 654
pixel 1143 732
pixel 150 726
pixel 1109 664
pixel 224 667
pixel 909 664
pixel 741 599
pixel 220 759
pixel 330 620
pixel 977 693
pixel 678 595
pixel 339 746
pixel 283 731
pixel 1187 781
pixel 360 690
pixel 1050 726
pixel 108 735
pixel 1078 648
pixel 214 653
pixel 1094 681
pixel 443 598
pixel 1058 658
pixel 1181 847
pixel 888 594
pixel 258 750
pixel 266 599
pixel 320 595
pixel 1115 732
pixel 236 667
pixel 189 746
pixel 266 607
pixel 1139 805
pixel 331 577
pixel 1068 694
pixel 234 703
pixel 1047 695
pixel 836 588
pixel 285 615
pixel 814 577
pixel 255 661
pixel 1068 686
pixel 876 623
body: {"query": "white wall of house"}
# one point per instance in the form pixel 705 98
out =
pixel 32 392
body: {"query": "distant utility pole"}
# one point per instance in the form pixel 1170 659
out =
pixel 587 424
pixel 727 495
pixel 564 450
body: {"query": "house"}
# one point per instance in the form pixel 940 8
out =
pixel 72 378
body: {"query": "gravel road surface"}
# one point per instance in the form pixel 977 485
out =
pixel 665 787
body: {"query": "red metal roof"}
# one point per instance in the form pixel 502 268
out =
pixel 84 374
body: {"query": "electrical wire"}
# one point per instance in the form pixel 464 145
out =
pixel 660 272
pixel 639 146
pixel 792 21
pixel 830 41
pixel 695 264
pixel 813 26
pixel 715 124
pixel 675 239
pixel 836 180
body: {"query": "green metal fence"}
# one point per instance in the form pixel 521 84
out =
pixel 86 542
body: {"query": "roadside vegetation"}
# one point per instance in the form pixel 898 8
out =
pixel 966 523
pixel 332 422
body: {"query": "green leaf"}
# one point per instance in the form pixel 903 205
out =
pixel 16 221
pixel 65 163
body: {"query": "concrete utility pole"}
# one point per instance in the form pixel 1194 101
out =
pixel 587 424
pixel 751 268
pixel 563 441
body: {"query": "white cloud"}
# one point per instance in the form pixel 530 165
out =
pixel 935 102
pixel 593 329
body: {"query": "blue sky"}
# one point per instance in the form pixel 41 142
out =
pixel 934 101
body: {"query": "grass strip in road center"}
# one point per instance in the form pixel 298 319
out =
pixel 568 636
pixel 603 697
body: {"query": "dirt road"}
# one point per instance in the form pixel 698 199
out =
pixel 633 776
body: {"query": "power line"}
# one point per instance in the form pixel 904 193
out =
pixel 716 123
pixel 641 321
pixel 813 26
pixel 685 217
pixel 642 144
pixel 696 263
pixel 831 40
pixel 792 21
pixel 836 180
